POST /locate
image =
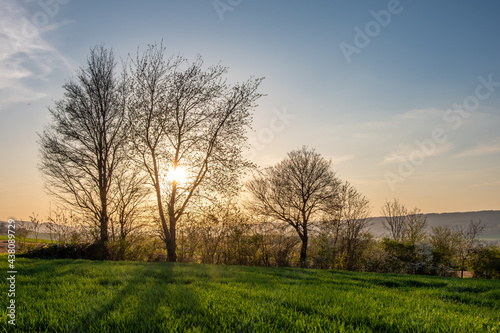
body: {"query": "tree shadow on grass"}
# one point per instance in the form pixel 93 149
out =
pixel 137 284
pixel 153 298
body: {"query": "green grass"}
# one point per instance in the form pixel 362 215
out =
pixel 93 296
pixel 28 240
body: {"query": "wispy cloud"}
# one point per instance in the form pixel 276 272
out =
pixel 487 184
pixel 421 114
pixel 406 152
pixel 26 58
pixel 484 148
pixel 340 159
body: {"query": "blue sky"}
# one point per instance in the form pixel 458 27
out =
pixel 373 114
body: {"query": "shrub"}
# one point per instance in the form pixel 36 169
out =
pixel 485 263
pixel 67 251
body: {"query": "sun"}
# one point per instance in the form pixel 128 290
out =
pixel 177 175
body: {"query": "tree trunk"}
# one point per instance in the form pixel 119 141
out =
pixel 103 220
pixel 104 239
pixel 104 229
pixel 303 252
pixel 171 242
pixel 462 269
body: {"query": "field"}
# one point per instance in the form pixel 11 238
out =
pixel 29 240
pixel 93 296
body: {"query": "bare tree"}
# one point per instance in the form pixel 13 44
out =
pixel 354 219
pixel 395 214
pixel 186 119
pixel 468 241
pixel 35 226
pixel 82 147
pixel 343 228
pixel 415 229
pixel 61 224
pixel 294 191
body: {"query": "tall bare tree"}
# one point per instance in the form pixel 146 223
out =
pixel 187 118
pixel 294 191
pixel 82 147
pixel 395 214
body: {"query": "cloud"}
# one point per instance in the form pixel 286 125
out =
pixel 26 58
pixel 486 184
pixel 485 148
pixel 414 152
pixel 421 114
pixel 340 159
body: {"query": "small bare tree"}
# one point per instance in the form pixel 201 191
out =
pixel 35 226
pixel 395 214
pixel 354 220
pixel 343 228
pixel 187 119
pixel 61 224
pixel 468 242
pixel 415 229
pixel 295 191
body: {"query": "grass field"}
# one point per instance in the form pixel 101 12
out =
pixel 87 296
pixel 28 240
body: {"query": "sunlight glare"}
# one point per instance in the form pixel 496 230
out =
pixel 178 175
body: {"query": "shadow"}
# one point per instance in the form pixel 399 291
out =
pixel 151 297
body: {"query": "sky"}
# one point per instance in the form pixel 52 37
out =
pixel 402 96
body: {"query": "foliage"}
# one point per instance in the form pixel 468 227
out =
pixel 445 242
pixel 485 263
pixel 404 257
pixel 66 251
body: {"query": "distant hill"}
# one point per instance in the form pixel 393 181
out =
pixel 491 218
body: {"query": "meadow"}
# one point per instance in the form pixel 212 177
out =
pixel 30 240
pixel 97 296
